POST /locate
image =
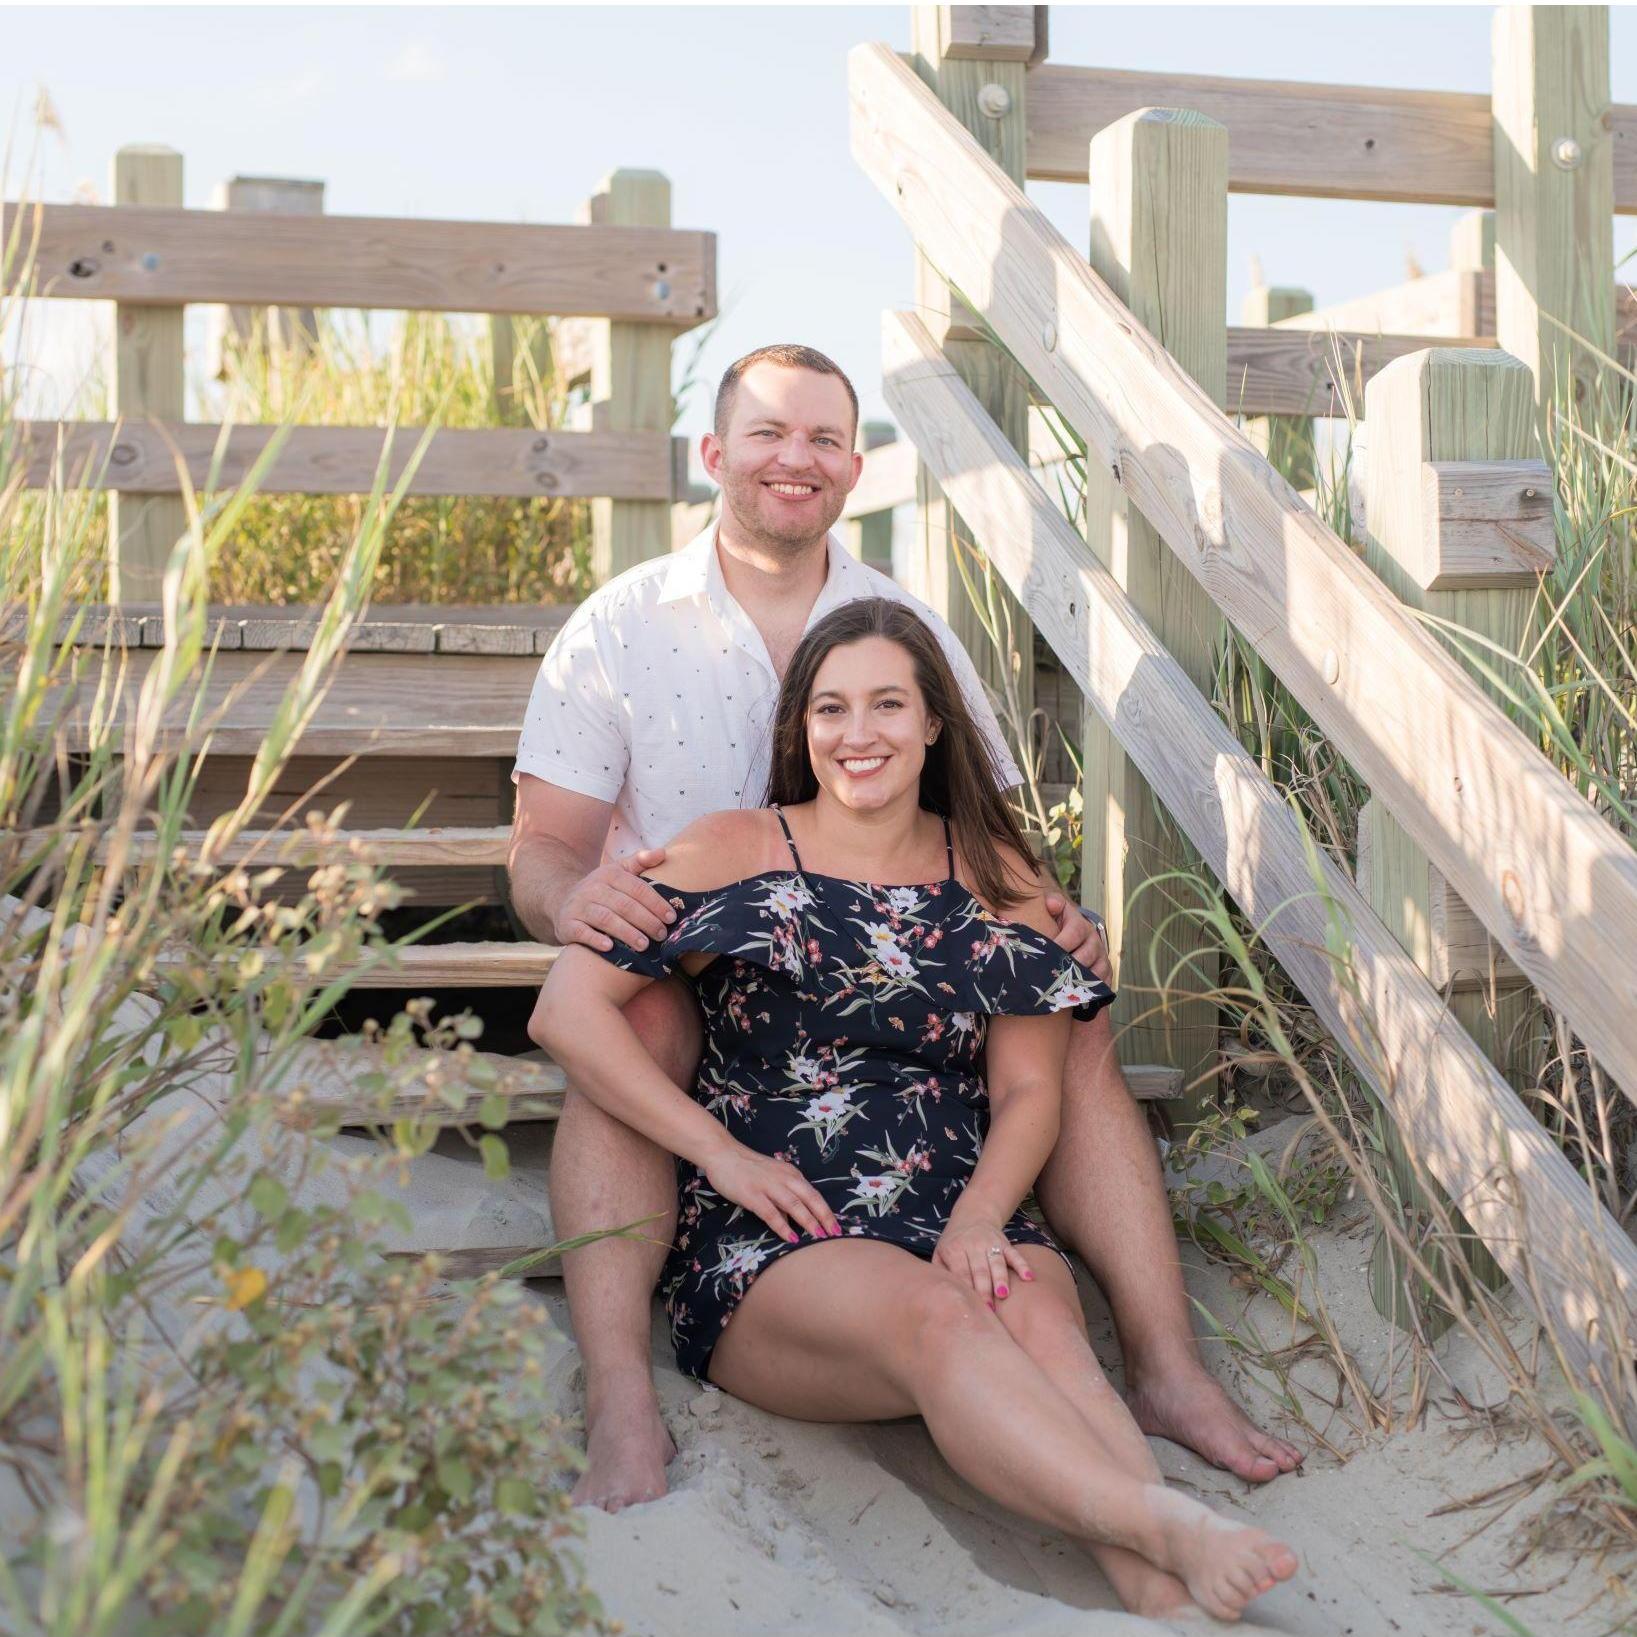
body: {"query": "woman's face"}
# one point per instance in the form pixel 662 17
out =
pixel 867 724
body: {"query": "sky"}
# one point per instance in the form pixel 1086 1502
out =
pixel 513 114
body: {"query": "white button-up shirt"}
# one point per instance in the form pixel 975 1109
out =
pixel 658 694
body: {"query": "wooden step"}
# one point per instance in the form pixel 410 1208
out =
pixel 339 1077
pixel 1152 1082
pixel 442 966
pixel 479 845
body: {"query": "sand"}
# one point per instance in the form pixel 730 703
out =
pixel 774 1526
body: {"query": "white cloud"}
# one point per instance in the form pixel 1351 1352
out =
pixel 416 61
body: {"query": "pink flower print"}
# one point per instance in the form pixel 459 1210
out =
pixel 933 936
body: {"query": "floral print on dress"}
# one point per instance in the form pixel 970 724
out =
pixel 844 1033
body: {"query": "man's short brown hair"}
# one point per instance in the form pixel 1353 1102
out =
pixel 786 356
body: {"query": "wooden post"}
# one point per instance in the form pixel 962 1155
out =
pixel 288 330
pixel 1459 524
pixel 973 60
pixel 869 538
pixel 630 381
pixel 1554 191
pixel 1435 407
pixel 148 385
pixel 1159 235
pixel 1287 440
pixel 506 332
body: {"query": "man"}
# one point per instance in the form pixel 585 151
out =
pixel 653 708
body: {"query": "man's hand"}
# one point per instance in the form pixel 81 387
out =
pixel 1080 935
pixel 615 902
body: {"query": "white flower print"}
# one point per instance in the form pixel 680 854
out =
pixel 903 900
pixel 788 895
pixel 804 1070
pixel 894 961
pixel 883 937
pixel 833 1105
pixel 963 1022
pixel 870 1189
pixel 1068 989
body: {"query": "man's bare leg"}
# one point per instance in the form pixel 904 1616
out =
pixel 1103 1193
pixel 604 1175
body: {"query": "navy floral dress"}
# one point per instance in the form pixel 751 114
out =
pixel 844 1027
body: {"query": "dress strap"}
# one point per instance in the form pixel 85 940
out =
pixel 949 848
pixel 789 840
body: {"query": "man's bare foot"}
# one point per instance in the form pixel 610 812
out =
pixel 627 1449
pixel 1187 1405
pixel 1224 1564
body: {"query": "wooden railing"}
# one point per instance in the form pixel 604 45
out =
pixel 1553 884
pixel 642 281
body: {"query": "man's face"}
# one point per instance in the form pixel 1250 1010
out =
pixel 785 462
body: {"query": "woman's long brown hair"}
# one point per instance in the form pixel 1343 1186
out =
pixel 960 780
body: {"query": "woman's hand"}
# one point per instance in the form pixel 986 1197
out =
pixel 773 1189
pixel 977 1253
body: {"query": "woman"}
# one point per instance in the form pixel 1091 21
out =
pixel 859 947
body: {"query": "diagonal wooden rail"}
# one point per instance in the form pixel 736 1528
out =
pixel 1555 885
pixel 1514 1184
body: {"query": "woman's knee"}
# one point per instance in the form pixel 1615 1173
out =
pixel 938 1310
pixel 1043 1311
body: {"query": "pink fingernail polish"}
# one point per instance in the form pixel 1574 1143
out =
pixel 1002 1291
pixel 795 1239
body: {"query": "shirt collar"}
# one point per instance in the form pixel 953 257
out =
pixel 695 571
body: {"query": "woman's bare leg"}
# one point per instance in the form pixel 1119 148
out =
pixel 1043 1316
pixel 861 1331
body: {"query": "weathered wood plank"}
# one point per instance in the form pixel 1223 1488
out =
pixel 1555 885
pixel 440 845
pixel 1486 1148
pixel 888 480
pixel 1000 34
pixel 437 966
pixel 352 1078
pixel 641 275
pixel 1292 137
pixel 143 457
pixel 1276 371
pixel 1485 524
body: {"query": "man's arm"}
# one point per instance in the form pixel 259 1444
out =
pixel 561 891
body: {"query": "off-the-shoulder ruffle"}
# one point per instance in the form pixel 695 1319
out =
pixel 935 941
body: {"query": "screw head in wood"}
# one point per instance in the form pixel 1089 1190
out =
pixel 149 262
pixel 995 101
pixel 1332 666
pixel 662 290
pixel 1566 153
pixel 1048 336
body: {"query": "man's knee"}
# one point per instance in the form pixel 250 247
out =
pixel 665 1018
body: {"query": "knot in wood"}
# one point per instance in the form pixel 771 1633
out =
pixel 122 454
pixel 84 267
pixel 1512 894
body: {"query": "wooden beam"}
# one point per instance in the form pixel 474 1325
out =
pixel 985 93
pixel 1555 145
pixel 1292 137
pixel 1286 440
pixel 1281 371
pixel 134 457
pixel 640 275
pixel 1445 304
pixel 888 480
pixel 148 383
pixel 1159 237
pixel 432 966
pixel 1510 1178
pixel 630 382
pixel 1555 885
pixel 868 535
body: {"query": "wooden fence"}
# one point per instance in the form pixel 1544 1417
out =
pixel 1133 354
pixel 430 700
pixel 640 280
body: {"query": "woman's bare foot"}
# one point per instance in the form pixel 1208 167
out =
pixel 627 1449
pixel 1223 1564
